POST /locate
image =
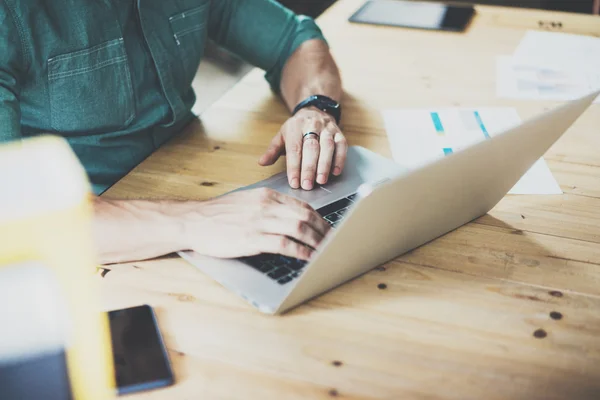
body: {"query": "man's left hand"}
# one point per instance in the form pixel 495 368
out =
pixel 309 157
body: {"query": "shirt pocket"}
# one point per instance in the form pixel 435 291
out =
pixel 90 90
pixel 190 31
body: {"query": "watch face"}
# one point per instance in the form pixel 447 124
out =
pixel 327 102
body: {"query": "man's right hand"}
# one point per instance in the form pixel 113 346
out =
pixel 239 224
pixel 256 221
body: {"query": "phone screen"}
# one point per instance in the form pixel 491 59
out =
pixel 140 357
pixel 414 14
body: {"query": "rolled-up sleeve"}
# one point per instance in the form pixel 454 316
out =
pixel 10 65
pixel 262 32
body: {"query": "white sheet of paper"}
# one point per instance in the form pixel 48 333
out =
pixel 542 83
pixel 420 136
pixel 559 50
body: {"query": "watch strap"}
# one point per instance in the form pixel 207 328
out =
pixel 319 101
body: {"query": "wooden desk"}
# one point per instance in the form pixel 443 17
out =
pixel 507 307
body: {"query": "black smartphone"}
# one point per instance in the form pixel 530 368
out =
pixel 415 14
pixel 139 353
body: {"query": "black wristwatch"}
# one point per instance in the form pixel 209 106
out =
pixel 324 104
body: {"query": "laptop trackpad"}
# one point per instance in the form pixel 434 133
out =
pixel 308 196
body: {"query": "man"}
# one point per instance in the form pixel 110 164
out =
pixel 114 78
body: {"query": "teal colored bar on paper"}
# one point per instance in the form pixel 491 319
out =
pixel 481 125
pixel 447 151
pixel 437 122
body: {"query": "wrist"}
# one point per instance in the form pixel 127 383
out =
pixel 182 222
pixel 312 110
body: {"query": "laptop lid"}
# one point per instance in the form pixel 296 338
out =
pixel 415 208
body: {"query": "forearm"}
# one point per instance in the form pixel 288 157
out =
pixel 310 70
pixel 239 224
pixel 131 230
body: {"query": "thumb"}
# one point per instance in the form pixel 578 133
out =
pixel 274 151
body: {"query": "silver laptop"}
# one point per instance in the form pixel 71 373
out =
pixel 379 211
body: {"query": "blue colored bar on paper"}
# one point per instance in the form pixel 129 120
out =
pixel 437 122
pixel 481 125
pixel 447 151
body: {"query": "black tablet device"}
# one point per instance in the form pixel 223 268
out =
pixel 415 14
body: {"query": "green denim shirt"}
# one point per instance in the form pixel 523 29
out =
pixel 114 76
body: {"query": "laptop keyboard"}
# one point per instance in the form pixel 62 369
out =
pixel 285 269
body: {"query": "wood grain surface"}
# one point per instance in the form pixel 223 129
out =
pixel 507 307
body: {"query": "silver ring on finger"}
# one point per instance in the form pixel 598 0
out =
pixel 309 135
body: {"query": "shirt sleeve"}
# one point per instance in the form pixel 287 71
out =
pixel 10 66
pixel 262 32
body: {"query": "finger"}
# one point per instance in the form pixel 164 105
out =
pixel 283 245
pixel 310 159
pixel 341 150
pixel 293 149
pixel 327 148
pixel 299 213
pixel 276 204
pixel 274 151
pixel 310 151
pixel 297 229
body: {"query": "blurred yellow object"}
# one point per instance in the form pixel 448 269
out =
pixel 49 308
